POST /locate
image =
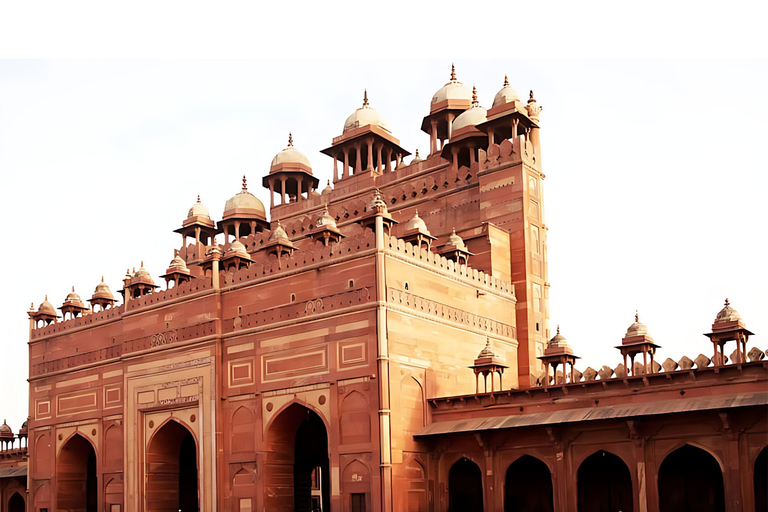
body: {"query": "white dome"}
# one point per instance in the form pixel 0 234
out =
pixel 416 223
pixel 727 314
pixel 364 116
pixel 637 328
pixel 472 116
pixel 453 90
pixel 506 95
pixel 198 210
pixel 290 155
pixel 245 200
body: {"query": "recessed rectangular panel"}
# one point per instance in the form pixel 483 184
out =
pixel 77 403
pixel 241 372
pixel 289 363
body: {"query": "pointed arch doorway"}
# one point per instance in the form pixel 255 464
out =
pixel 298 477
pixel 172 472
pixel 77 486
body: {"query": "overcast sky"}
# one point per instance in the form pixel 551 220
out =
pixel 655 168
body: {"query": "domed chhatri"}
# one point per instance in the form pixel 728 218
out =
pixel 326 229
pixel 102 296
pixel 415 232
pixel 364 116
pixel 729 326
pixel 73 306
pixel 487 363
pixel 243 215
pixel 177 271
pixel 279 244
pixel 200 228
pixel 290 177
pixel 6 432
pixel 558 352
pixel 506 95
pixel 449 102
pixel 455 249
pixel 46 308
pixel 635 342
pixel 138 283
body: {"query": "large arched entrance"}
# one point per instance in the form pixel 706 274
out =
pixel 604 484
pixel 298 476
pixel 465 487
pixel 690 480
pixel 16 503
pixel 172 476
pixel 528 486
pixel 761 480
pixel 76 476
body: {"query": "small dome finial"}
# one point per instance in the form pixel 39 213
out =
pixel 245 183
pixel 506 82
pixel 198 198
pixel 417 153
pixel 365 97
pixel 727 303
pixel 290 140
pixel 474 95
pixel 558 328
pixel 531 99
pixel 453 72
pixel 637 317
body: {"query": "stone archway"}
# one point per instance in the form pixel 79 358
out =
pixel 298 473
pixel 465 487
pixel 604 484
pixel 690 480
pixel 172 473
pixel 77 487
pixel 761 480
pixel 528 486
pixel 16 503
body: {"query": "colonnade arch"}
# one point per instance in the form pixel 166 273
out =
pixel 760 479
pixel 77 485
pixel 604 484
pixel 465 487
pixel 172 472
pixel 528 486
pixel 690 479
pixel 298 475
pixel 16 503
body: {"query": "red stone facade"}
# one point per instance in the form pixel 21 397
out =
pixel 316 358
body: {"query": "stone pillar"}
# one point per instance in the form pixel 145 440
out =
pixel 335 169
pixel 358 158
pixel 433 137
pixel 388 163
pixel 370 155
pixel 379 163
pixel 271 194
pixel 450 126
pixel 345 172
pixel 282 194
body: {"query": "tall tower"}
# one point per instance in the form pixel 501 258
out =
pixel 511 185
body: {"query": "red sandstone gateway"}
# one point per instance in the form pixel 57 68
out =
pixel 328 357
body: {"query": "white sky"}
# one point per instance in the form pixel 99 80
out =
pixel 652 143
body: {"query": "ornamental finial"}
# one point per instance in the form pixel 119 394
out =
pixel 453 73
pixel 365 97
pixel 290 140
pixel 245 184
pixel 506 82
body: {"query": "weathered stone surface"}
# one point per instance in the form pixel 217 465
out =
pixel 589 374
pixel 755 354
pixel 701 361
pixel 638 368
pixel 737 357
pixel 685 363
pixel 620 371
pixel 605 372
pixel 656 367
pixel 669 365
pixel 576 375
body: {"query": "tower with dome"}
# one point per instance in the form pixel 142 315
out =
pixel 324 353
